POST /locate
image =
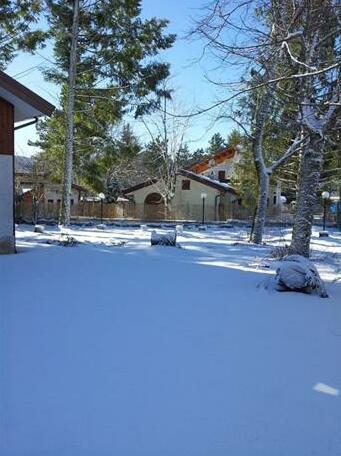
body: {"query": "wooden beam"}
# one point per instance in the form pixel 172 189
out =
pixel 6 128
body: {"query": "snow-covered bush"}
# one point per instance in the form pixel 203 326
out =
pixel 39 229
pixel 297 273
pixel 67 241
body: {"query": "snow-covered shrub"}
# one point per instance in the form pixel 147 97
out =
pixel 280 251
pixel 202 228
pixel 101 226
pixel 67 241
pixel 179 228
pixel 39 229
pixel 163 238
pixel 297 273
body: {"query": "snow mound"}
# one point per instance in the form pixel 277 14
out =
pixel 297 273
pixel 39 229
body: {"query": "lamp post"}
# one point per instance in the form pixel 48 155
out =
pixel 325 197
pixel 102 197
pixel 282 201
pixel 203 197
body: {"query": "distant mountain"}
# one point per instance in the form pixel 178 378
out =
pixel 23 165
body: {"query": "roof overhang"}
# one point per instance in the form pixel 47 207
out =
pixel 222 187
pixel 134 188
pixel 27 104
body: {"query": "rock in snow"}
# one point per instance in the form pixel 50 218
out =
pixel 297 273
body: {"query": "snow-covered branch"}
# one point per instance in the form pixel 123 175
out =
pixel 294 59
pixel 292 149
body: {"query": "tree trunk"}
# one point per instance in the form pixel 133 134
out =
pixel 339 210
pixel 262 201
pixel 309 176
pixel 253 223
pixel 262 112
pixel 68 160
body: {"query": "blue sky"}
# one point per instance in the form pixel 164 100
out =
pixel 188 75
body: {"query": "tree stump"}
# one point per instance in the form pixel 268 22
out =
pixel 168 239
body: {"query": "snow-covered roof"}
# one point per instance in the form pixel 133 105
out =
pixel 221 186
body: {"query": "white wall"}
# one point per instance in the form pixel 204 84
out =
pixel 192 196
pixel 7 244
pixel 186 202
pixel 54 192
pixel 227 165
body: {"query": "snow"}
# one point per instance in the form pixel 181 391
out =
pixel 114 347
pixel 209 179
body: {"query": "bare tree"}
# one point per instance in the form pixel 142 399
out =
pixel 319 103
pixel 239 36
pixel 163 156
pixel 275 42
pixel 36 183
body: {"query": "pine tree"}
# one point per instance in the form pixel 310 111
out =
pixel 113 168
pixel 70 107
pixel 114 48
pixel 18 28
pixel 216 144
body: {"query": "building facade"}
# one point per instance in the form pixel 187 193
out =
pixel 187 203
pixel 17 104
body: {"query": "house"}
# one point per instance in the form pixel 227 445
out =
pixel 210 177
pixel 36 194
pixel 219 167
pixel 17 104
pixel 27 177
pixel 187 203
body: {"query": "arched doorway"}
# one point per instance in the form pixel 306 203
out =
pixel 154 207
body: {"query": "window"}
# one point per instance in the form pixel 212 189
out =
pixel 221 175
pixel 72 201
pixel 59 200
pixel 275 200
pixel 186 184
pixel 50 201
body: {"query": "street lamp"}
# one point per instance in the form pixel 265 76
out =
pixel 282 201
pixel 325 197
pixel 101 197
pixel 203 197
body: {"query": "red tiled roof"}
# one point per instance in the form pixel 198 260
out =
pixel 218 158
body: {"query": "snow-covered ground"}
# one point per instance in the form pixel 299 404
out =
pixel 132 350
